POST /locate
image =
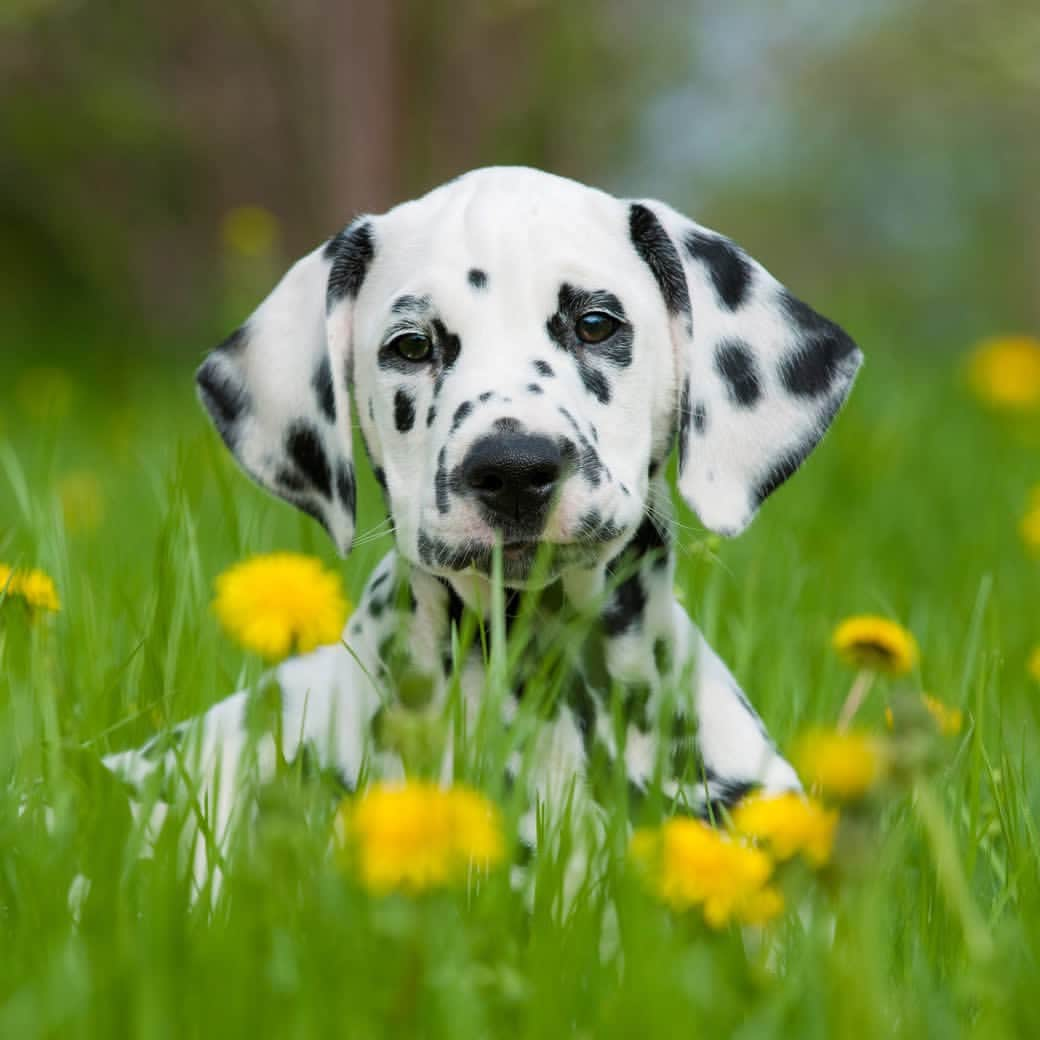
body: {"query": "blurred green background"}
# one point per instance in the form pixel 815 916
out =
pixel 882 156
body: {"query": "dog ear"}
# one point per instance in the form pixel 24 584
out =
pixel 761 375
pixel 277 389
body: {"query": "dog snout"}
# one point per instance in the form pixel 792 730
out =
pixel 513 475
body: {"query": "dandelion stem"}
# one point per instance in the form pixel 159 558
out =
pixel 858 693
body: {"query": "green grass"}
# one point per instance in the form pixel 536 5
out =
pixel 909 509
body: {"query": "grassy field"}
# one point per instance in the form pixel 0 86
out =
pixel 928 923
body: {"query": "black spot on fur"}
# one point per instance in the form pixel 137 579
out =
pixel 322 383
pixel 431 414
pixel 289 480
pixel 224 396
pixel 477 278
pixel 658 252
pixel 593 529
pixel 380 476
pixel 649 541
pixel 596 383
pixel 534 388
pixel 729 268
pixel 441 482
pixel 352 251
pixel 685 416
pixel 346 487
pixel 700 417
pixel 448 345
pixel 437 553
pixel 486 396
pixel 810 369
pixel 543 368
pixel 624 611
pixel 409 304
pixel 461 414
pixel 735 363
pixel 404 410
pixel 303 445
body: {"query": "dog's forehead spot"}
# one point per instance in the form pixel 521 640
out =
pixel 735 363
pixel 410 303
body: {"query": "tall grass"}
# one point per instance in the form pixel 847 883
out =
pixel 909 509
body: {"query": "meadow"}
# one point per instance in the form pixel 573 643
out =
pixel 925 921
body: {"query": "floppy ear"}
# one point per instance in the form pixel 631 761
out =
pixel 277 388
pixel 761 375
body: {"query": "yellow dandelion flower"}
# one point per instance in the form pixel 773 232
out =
pixel 82 501
pixel 690 864
pixel 249 231
pixel 36 589
pixel 843 765
pixel 790 824
pixel 281 603
pixel 1034 663
pixel 1005 372
pixel 876 644
pixel 415 836
pixel 762 906
pixel 948 720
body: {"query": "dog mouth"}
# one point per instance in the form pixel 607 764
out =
pixel 522 559
pixel 516 549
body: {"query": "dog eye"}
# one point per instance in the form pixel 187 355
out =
pixel 412 345
pixel 596 326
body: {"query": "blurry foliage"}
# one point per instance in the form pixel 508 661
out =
pixel 883 155
pixel 131 132
pixel 902 173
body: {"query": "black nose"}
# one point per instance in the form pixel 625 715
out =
pixel 512 474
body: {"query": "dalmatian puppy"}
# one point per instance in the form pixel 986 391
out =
pixel 519 353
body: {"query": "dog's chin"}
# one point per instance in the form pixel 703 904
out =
pixel 526 563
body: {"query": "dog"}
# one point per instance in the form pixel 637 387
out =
pixel 519 352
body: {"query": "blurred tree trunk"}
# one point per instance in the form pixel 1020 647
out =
pixel 364 107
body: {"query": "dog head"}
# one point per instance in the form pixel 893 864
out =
pixel 520 351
